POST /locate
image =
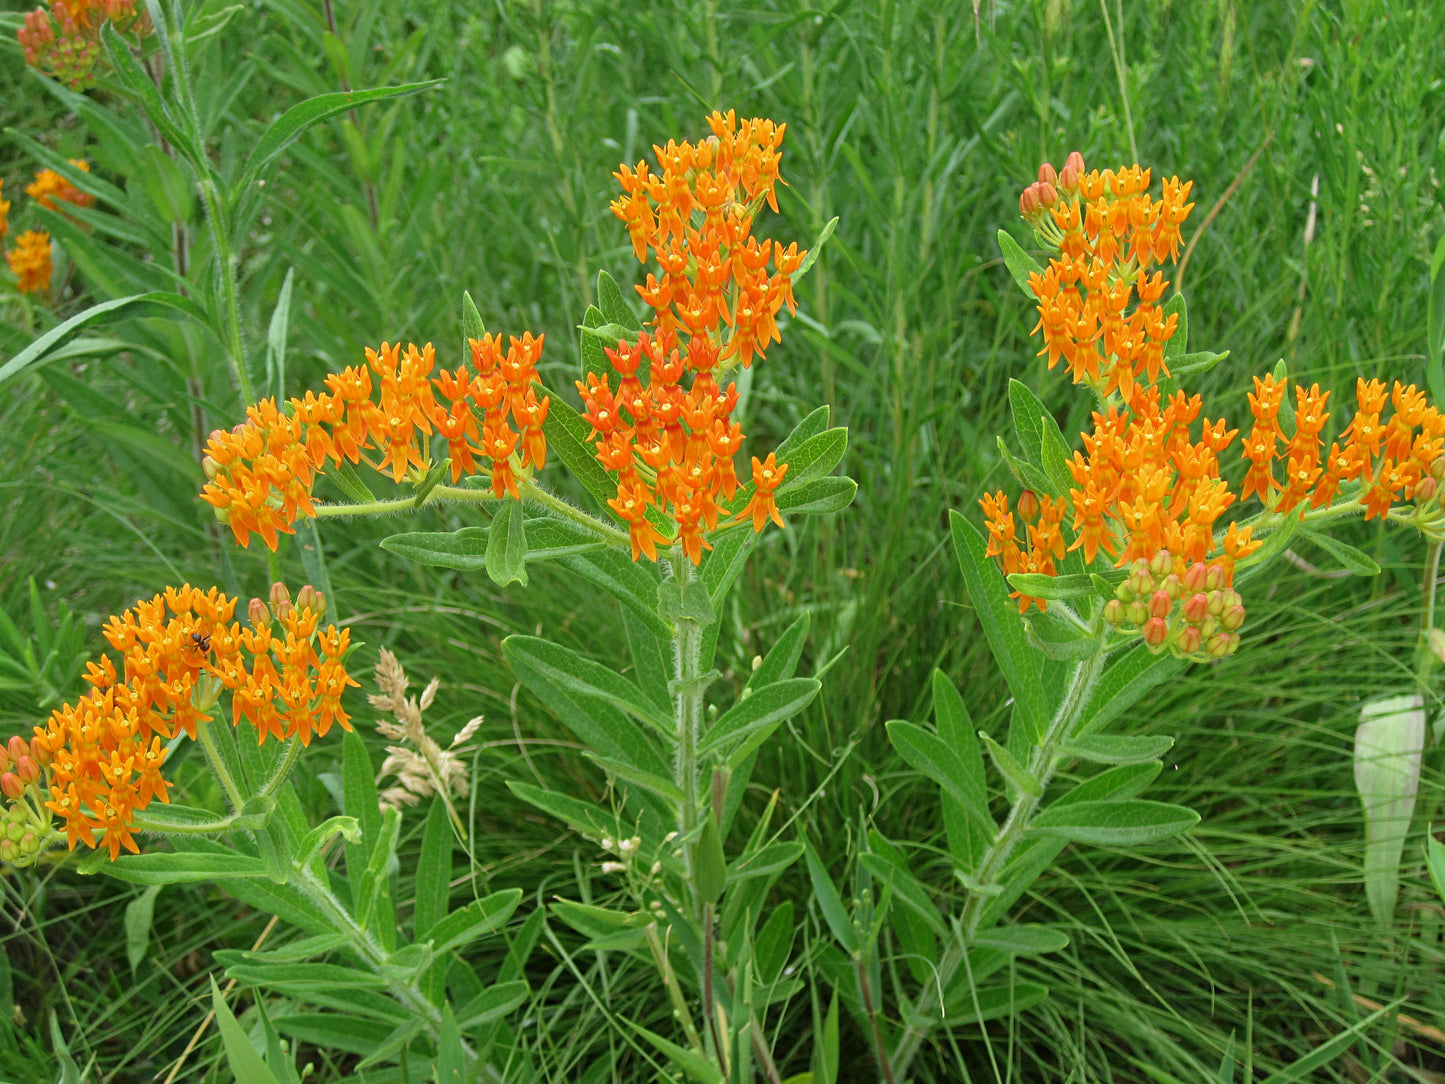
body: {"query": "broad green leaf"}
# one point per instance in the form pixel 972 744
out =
pixel 1039 436
pixel 659 785
pixel 183 819
pixel 1389 742
pixel 1024 472
pixel 633 584
pixel 957 775
pixel 1357 561
pixel 1125 680
pixel 164 868
pixel 1018 777
pixel 831 904
pixel 399 1037
pixel 307 540
pixel 590 347
pixel 815 457
pixel 615 309
pixel 765 709
pixel 475 920
pixel 287 128
pixel 817 496
pixel 433 871
pixel 1118 749
pixel 1019 263
pixel 245 1064
pixel 653 668
pixel 1024 939
pixel 1040 585
pixel 164 305
pixel 1002 626
pixel 582 816
pixel 347 480
pixel 577 676
pixel 472 325
pixel 1114 823
pixel 139 913
pixel 354 1034
pixel 507 545
pixel 815 423
pixel 782 658
pixel 548 539
pixel 992 1002
pixel 492 1004
pixel 689 1061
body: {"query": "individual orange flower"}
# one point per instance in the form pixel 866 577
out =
pixel 767 476
pixel 260 475
pixel 179 652
pixel 29 259
pixel 50 186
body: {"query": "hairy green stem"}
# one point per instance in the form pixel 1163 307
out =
pixel 213 754
pixel 283 769
pixel 687 715
pixel 1044 760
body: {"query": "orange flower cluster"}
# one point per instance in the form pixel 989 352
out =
pixel 261 473
pixel 50 186
pixel 66 38
pixel 1145 485
pixel 671 444
pixel 1390 459
pixel 696 217
pixel 1042 545
pixel 1108 231
pixel 672 447
pixel 179 652
pixel 29 259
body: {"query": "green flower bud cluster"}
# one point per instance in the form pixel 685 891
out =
pixel 20 840
pixel 1192 613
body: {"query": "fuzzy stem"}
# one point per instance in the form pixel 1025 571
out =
pixel 1044 760
pixel 213 754
pixel 687 714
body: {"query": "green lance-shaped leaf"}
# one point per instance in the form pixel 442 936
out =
pixel 968 1006
pixel 1357 561
pixel 572 672
pixel 581 816
pixel 689 1061
pixel 782 658
pixel 1002 625
pixel 711 862
pixel 817 496
pixel 472 325
pixel 760 711
pixel 815 456
pixel 1114 823
pixel 1053 588
pixel 968 838
pixel 1435 854
pixel 245 1064
pixel 291 124
pixel 1125 680
pixel 1388 746
pixel 492 1004
pixel 1178 344
pixel 615 309
pixel 160 304
pixel 1019 263
pixel 928 753
pixel 1019 778
pixel 817 248
pixel 1024 939
pixel 162 868
pixel 830 903
pixel 1118 749
pixel 774 943
pixel 139 83
pixel 815 423
pixel 475 920
pixel 139 914
pixel 567 436
pixel 1039 436
pixel 507 545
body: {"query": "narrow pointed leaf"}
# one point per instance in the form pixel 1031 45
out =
pixel 1114 823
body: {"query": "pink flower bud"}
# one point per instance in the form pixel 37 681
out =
pixel 1028 506
pixel 17 747
pixel 9 850
pixel 1030 206
pixel 1425 489
pixel 27 769
pixel 40 753
pixel 1190 641
pixel 1160 604
pixel 1196 607
pixel 1155 632
pixel 258 613
pixel 1194 577
pixel 5 763
pixel 1139 581
pixel 1048 194
pixel 210 468
pixel 1047 174
pixel 12 786
pixel 308 598
pixel 278 595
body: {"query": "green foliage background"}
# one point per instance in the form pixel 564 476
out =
pixel 916 125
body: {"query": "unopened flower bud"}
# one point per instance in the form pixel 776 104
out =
pixel 1160 604
pixel 29 843
pixel 9 851
pixel 1048 194
pixel 278 595
pixel 1208 627
pixel 1030 205
pixel 1196 607
pixel 1231 597
pixel 27 769
pixel 1028 506
pixel 1124 593
pixel 1425 489
pixel 5 762
pixel 1194 577
pixel 1047 174
pixel 1138 612
pixel 17 747
pixel 1114 612
pixel 1215 577
pixel 210 468
pixel 1190 640
pixel 258 613
pixel 1216 603
pixel 1437 468
pixel 1139 581
pixel 1219 645
pixel 1072 172
pixel 11 785
pixel 1232 618
pixel 1162 564
pixel 1171 586
pixel 308 598
pixel 1156 631
pixel 40 753
pixel 15 829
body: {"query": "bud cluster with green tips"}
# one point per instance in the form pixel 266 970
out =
pixel 23 834
pixel 1188 610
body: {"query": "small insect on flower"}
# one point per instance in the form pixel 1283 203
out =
pixel 201 642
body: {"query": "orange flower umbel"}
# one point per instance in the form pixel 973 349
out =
pixel 50 186
pixel 179 652
pixel 261 473
pixel 1097 302
pixel 66 39
pixel 666 426
pixel 29 259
